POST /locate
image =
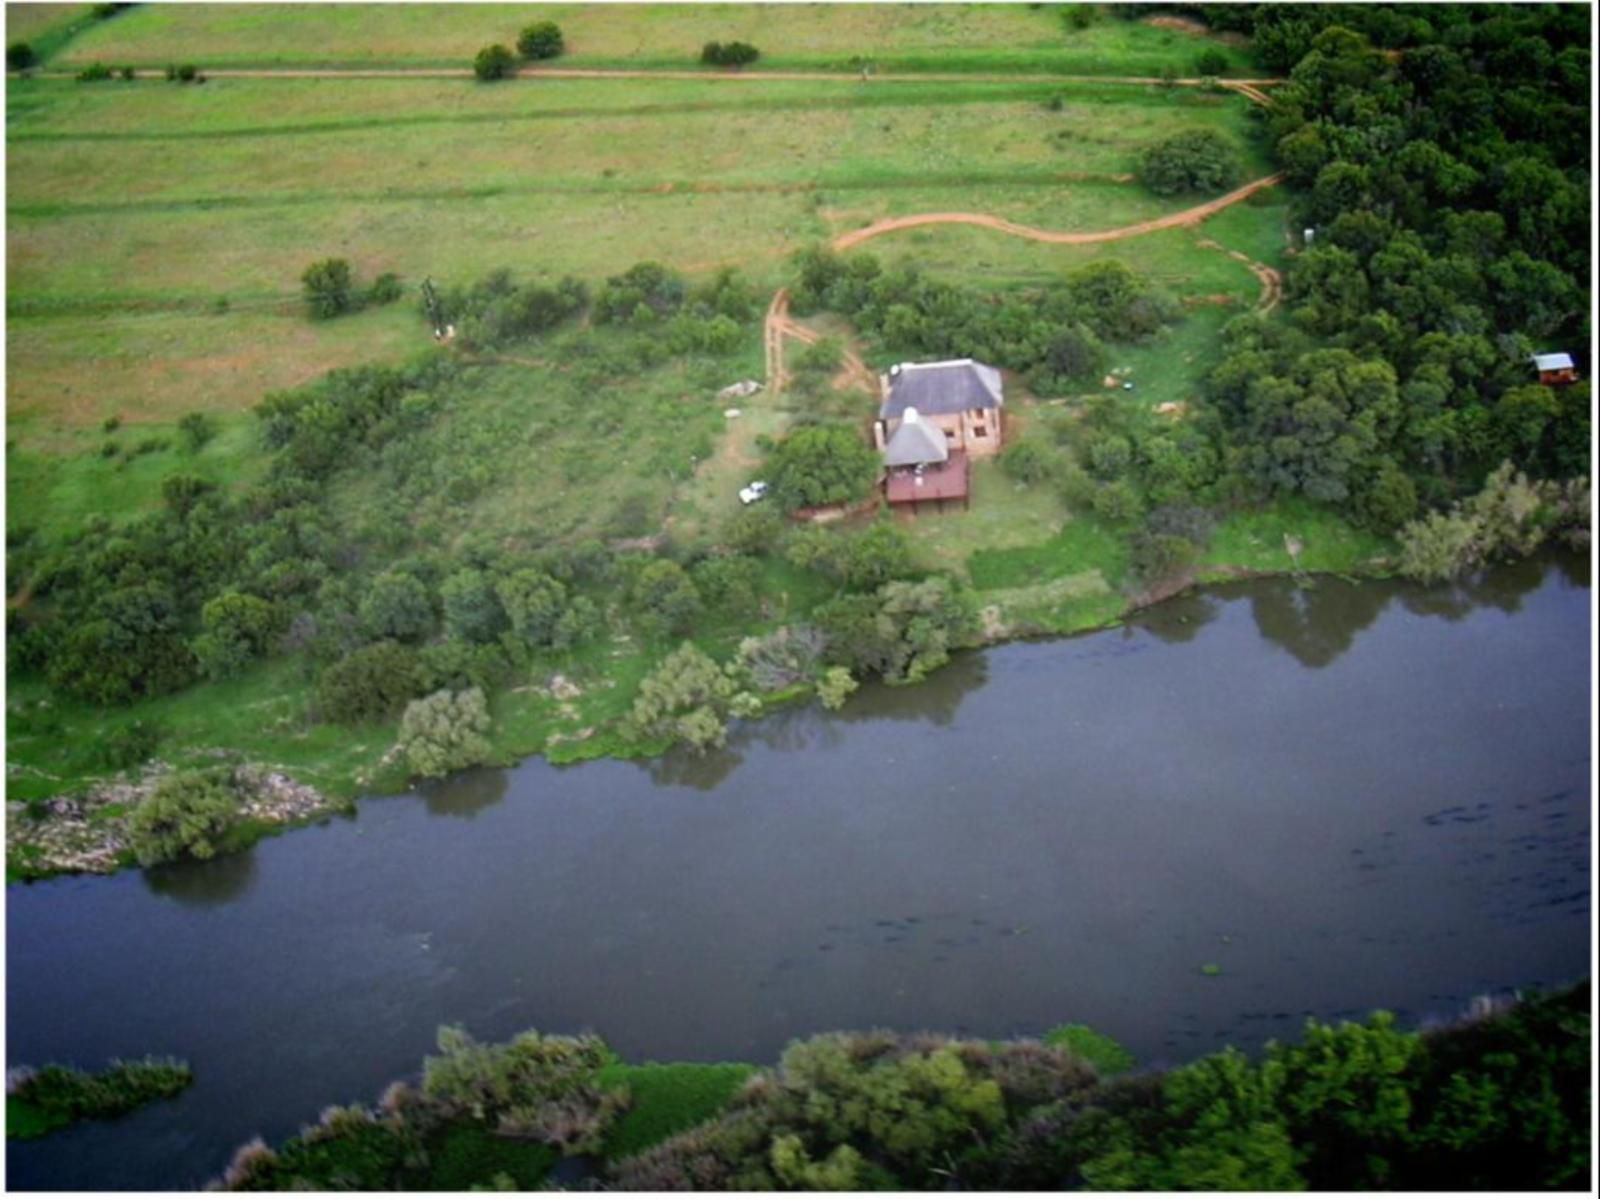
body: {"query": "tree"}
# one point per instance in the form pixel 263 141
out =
pixel 822 464
pixel 1198 160
pixel 445 731
pixel 1210 61
pixel 370 683
pixel 237 627
pixel 472 610
pixel 328 287
pixel 542 39
pixel 494 62
pixel 901 633
pixel 728 54
pixel 686 698
pixel 667 596
pixel 188 813
pixel 396 605
pixel 20 56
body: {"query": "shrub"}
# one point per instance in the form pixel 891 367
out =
pixel 445 731
pixel 1210 61
pixel 642 292
pixel 494 62
pixel 1077 17
pixel 542 39
pixel 728 54
pixel 1030 461
pixel 835 687
pixel 131 744
pixel 667 597
pixel 686 698
pixel 781 658
pixel 111 424
pixel 185 73
pixel 127 74
pixel 196 429
pixel 472 610
pixel 95 72
pixel 328 287
pixel 385 289
pixel 822 464
pixel 370 683
pixel 397 605
pixel 186 814
pixel 1198 160
pixel 20 56
pixel 754 530
pixel 901 633
pixel 65 1094
pixel 236 628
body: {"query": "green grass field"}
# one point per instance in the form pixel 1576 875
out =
pixel 950 37
pixel 161 230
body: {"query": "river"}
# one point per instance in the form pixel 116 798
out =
pixel 1345 797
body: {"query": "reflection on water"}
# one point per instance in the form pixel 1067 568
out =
pixel 203 884
pixel 1316 620
pixel 936 699
pixel 1179 619
pixel 466 794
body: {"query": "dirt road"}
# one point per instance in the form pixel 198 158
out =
pixel 1176 220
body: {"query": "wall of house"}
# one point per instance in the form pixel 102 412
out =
pixel 962 430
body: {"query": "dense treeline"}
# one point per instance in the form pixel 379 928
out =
pixel 1499 1101
pixel 1055 336
pixel 1447 189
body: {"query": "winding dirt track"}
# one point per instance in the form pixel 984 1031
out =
pixel 780 325
pixel 1176 220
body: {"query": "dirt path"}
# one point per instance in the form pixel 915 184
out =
pixel 1271 280
pixel 1176 220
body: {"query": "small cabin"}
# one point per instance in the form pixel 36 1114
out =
pixel 960 398
pixel 1555 369
pixel 922 468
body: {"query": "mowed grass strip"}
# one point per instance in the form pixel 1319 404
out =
pixel 724 146
pixel 950 37
pixel 57 109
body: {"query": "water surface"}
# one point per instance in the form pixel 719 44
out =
pixel 1345 797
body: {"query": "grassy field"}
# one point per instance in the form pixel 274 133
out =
pixel 950 37
pixel 161 230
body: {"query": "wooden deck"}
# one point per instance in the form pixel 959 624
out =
pixel 949 482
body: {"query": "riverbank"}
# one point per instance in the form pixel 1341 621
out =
pixel 1001 850
pixel 85 831
pixel 1346 1107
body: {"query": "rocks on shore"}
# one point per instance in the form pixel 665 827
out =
pixel 85 833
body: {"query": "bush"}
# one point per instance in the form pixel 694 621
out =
pixel 835 687
pixel 371 683
pixel 542 39
pixel 64 1094
pixel 494 62
pixel 95 72
pixel 20 56
pixel 328 288
pixel 822 464
pixel 667 597
pixel 396 605
pixel 385 289
pixel 472 610
pixel 186 815
pixel 728 54
pixel 1030 461
pixel 781 658
pixel 686 698
pixel 1104 1054
pixel 1210 61
pixel 196 429
pixel 756 529
pixel 1199 160
pixel 131 744
pixel 901 633
pixel 445 731
pixel 1077 17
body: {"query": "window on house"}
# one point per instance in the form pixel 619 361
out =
pixel 950 433
pixel 979 431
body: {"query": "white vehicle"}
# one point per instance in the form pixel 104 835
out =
pixel 754 492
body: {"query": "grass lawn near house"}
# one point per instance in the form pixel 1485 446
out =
pixel 946 37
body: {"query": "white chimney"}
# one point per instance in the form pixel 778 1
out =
pixel 909 416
